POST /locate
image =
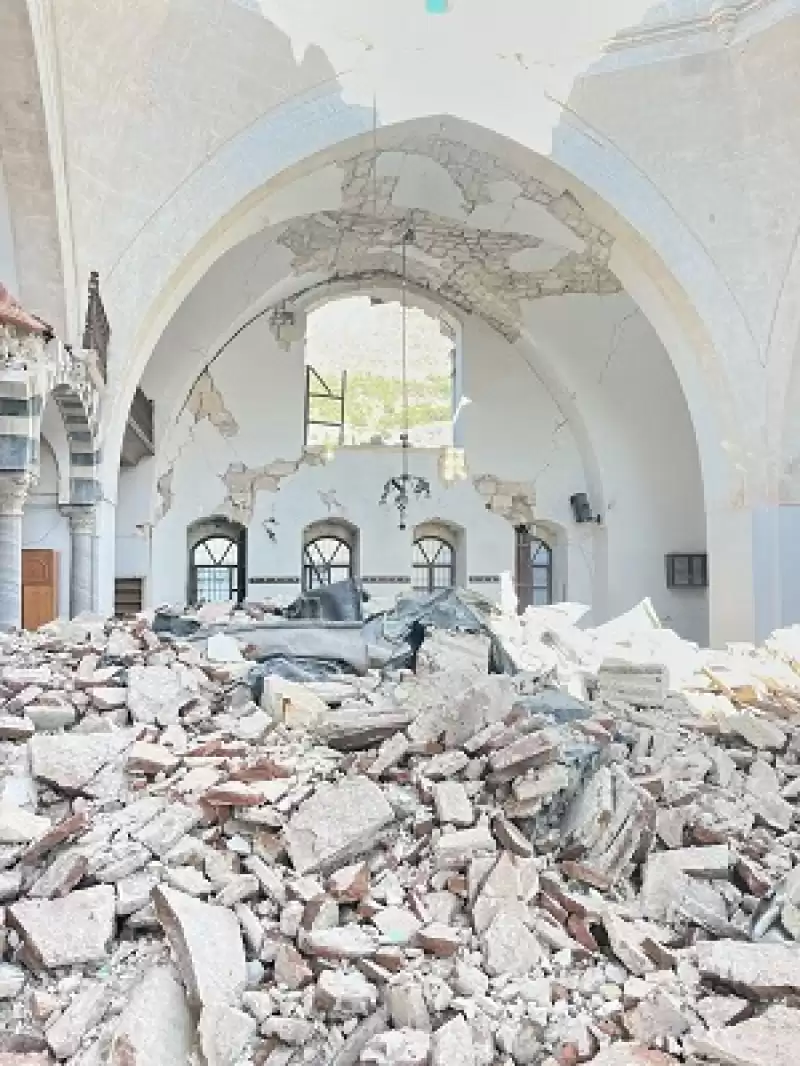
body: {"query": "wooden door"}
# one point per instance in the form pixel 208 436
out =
pixel 39 587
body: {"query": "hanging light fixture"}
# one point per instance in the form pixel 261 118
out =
pixel 400 489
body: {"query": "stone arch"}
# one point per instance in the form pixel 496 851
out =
pixel 710 325
pixel 656 258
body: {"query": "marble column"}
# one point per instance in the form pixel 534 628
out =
pixel 81 577
pixel 13 493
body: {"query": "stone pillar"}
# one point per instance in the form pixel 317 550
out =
pixel 81 581
pixel 13 493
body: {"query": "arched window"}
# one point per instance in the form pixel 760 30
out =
pixel 534 570
pixel 217 550
pixel 434 564
pixel 215 565
pixel 542 572
pixel 328 554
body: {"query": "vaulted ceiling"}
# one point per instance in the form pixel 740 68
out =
pixel 485 236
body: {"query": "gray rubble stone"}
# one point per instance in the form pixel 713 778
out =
pixel 18 826
pixel 70 762
pixel 207 944
pixel 155 1025
pixel 762 969
pixel 337 824
pixel 68 931
pixel 156 694
pixel 12 980
pixel 624 1054
pixel 224 1033
pixel 453 805
pixel 769 1040
pixel 343 995
pixel 399 1047
pixel 84 1011
pixel 452 1044
pixel 163 832
pixel 510 947
pixel 407 1007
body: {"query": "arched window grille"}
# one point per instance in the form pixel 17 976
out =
pixel 434 564
pixel 326 559
pixel 534 570
pixel 215 570
pixel 542 573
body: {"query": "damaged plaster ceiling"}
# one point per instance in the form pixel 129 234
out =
pixel 487 238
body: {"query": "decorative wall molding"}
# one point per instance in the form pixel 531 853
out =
pixel 723 18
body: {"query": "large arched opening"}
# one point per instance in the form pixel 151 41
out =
pixel 624 397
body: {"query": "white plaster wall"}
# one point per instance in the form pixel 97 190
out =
pixel 628 397
pixel 8 262
pixel 642 436
pixel 43 525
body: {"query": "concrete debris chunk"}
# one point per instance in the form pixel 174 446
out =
pixel 68 931
pixel 452 1044
pixel 510 948
pixel 224 1033
pixel 156 694
pixel 155 1025
pixel 70 762
pixel 338 823
pixel 343 995
pixel 18 826
pixel 766 971
pixel 632 1055
pixel 447 870
pixel 772 1039
pixel 453 805
pixel 85 1011
pixel 207 944
pixel 527 753
pixel 400 1047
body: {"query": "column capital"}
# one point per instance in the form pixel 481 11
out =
pixel 81 516
pixel 14 489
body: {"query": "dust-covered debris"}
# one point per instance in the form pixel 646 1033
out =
pixel 594 859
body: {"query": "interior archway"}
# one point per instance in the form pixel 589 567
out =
pixel 555 350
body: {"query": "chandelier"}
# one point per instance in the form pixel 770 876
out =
pixel 400 489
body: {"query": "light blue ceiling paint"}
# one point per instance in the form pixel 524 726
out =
pixel 436 7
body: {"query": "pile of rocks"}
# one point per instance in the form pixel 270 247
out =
pixel 456 869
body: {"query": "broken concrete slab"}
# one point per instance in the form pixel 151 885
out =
pixel 772 1039
pixel 83 1012
pixel 224 1034
pixel 344 995
pixel 70 761
pixel 763 970
pixel 453 805
pixel 509 947
pixel 207 945
pixel 18 826
pixel 156 694
pixel 155 1025
pixel 337 824
pixel 452 1044
pixel 68 931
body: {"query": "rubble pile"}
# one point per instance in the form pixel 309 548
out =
pixel 455 868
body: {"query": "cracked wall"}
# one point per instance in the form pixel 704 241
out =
pixel 523 458
pixel 486 237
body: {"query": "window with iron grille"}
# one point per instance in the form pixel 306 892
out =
pixel 534 570
pixel 434 564
pixel 326 559
pixel 215 570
